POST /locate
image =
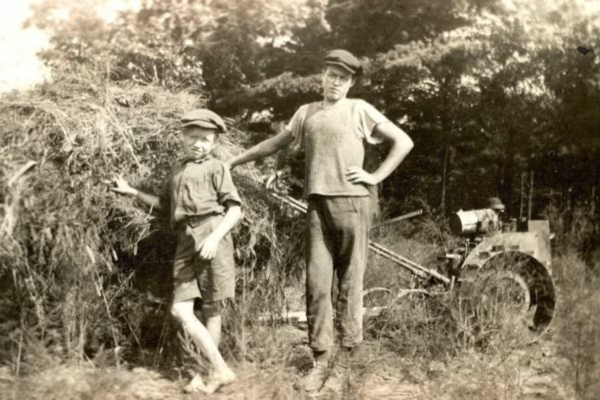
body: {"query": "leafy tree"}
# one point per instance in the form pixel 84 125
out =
pixel 489 90
pixel 203 45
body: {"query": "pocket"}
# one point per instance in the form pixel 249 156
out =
pixel 345 205
pixel 363 207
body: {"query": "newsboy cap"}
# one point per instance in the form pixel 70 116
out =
pixel 344 59
pixel 204 119
pixel 496 204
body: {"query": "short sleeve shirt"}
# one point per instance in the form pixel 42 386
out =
pixel 365 118
pixel 197 189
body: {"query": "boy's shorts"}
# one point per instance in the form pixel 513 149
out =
pixel 211 280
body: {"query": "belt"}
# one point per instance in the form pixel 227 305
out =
pixel 193 221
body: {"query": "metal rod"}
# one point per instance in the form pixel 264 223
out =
pixel 295 204
pixel 405 262
pixel 400 218
pixel 390 252
pixel 399 262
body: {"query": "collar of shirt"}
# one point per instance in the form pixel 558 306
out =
pixel 194 160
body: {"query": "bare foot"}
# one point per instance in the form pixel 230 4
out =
pixel 218 380
pixel 195 385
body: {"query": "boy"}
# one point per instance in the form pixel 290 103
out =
pixel 203 206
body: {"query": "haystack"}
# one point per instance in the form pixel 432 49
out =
pixel 80 266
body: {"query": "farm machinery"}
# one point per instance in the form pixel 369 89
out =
pixel 494 263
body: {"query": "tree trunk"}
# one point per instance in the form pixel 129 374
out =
pixel 444 180
pixel 507 172
pixel 522 205
pixel 530 197
pixel 594 190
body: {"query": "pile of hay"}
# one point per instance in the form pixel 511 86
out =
pixel 82 269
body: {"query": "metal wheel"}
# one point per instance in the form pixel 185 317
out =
pixel 511 293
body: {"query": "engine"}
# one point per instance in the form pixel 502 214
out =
pixel 475 222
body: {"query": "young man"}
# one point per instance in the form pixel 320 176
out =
pixel 203 206
pixel 333 133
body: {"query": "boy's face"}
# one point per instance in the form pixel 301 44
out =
pixel 198 142
pixel 336 82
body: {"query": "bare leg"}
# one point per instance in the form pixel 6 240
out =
pixel 184 312
pixel 216 379
pixel 213 325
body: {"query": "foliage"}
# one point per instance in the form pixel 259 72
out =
pixel 196 45
pixel 455 75
pixel 154 45
pixel 371 27
pixel 489 102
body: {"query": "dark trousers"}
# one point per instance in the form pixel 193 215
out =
pixel 337 233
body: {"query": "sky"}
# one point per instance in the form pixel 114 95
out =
pixel 19 66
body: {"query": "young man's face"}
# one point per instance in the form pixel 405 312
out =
pixel 336 83
pixel 198 142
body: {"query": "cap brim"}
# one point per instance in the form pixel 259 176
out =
pixel 342 65
pixel 201 124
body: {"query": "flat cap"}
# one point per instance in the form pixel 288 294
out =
pixel 344 59
pixel 204 119
pixel 495 203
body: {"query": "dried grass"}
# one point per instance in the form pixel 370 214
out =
pixel 83 269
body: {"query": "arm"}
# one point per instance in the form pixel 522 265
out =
pixel 401 146
pixel 263 149
pixel 121 186
pixel 208 247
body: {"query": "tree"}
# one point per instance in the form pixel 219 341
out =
pixel 488 89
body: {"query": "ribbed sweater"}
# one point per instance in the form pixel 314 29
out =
pixel 332 144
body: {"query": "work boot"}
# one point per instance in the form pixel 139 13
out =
pixel 314 380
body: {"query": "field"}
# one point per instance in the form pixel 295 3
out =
pixel 408 361
pixel 85 278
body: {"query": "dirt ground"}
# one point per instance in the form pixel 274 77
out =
pixel 534 371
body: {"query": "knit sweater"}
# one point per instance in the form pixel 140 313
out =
pixel 333 140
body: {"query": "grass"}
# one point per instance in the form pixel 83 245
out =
pixel 578 327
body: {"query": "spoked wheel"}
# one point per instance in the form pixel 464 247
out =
pixel 504 301
pixel 512 295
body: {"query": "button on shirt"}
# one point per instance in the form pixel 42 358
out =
pixel 197 188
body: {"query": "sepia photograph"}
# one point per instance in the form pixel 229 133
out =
pixel 300 199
